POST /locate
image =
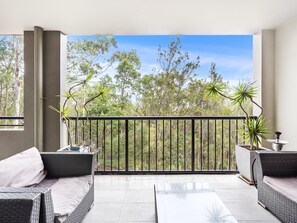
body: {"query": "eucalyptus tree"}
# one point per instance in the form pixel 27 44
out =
pixel 126 76
pixel 11 75
pixel 164 91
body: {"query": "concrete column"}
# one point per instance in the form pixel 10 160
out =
pixel 54 79
pixel 29 120
pixel 38 87
pixel 264 75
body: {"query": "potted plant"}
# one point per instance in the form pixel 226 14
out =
pixel 254 130
pixel 72 95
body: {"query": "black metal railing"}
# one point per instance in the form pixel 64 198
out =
pixel 11 122
pixel 161 144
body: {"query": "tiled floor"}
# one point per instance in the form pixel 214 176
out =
pixel 130 199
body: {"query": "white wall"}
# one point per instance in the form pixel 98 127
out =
pixel 286 83
pixel 264 73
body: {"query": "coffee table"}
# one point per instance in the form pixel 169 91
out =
pixel 189 203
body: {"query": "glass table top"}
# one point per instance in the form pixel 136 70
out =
pixel 189 203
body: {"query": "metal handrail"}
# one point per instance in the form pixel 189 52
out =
pixel 158 117
pixel 9 119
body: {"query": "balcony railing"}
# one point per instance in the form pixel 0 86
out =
pixel 161 144
pixel 11 122
pixel 156 144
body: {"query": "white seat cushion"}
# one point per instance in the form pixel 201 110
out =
pixel 22 170
pixel 68 192
pixel 284 185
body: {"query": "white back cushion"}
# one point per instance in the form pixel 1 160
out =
pixel 22 170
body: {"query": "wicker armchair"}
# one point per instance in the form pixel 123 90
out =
pixel 280 166
pixel 22 204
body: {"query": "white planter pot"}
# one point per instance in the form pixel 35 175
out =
pixel 244 160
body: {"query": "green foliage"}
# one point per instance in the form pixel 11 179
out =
pixel 128 65
pixel 11 76
pixel 256 130
pixel 173 88
pixel 242 94
pixel 86 56
pixel 103 81
pixel 215 89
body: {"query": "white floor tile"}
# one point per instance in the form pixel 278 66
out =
pixel 130 198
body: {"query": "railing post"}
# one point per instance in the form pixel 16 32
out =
pixel 127 145
pixel 193 144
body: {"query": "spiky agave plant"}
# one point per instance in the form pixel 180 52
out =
pixel 245 91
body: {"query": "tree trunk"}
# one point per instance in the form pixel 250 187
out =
pixel 6 103
pixel 1 96
pixel 17 83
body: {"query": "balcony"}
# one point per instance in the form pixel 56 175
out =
pixel 178 149
pixel 170 149
pixel 156 145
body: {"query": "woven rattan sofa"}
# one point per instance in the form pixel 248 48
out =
pixel 277 183
pixel 19 205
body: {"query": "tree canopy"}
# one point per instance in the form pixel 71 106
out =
pixel 172 88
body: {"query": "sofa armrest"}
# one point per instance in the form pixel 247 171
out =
pixel 68 164
pixel 46 203
pixel 280 164
pixel 20 207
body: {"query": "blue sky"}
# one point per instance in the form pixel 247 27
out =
pixel 233 55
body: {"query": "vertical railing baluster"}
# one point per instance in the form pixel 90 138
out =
pixel 201 149
pixel 97 144
pixel 104 143
pixel 68 123
pixel 222 145
pixel 236 138
pixel 90 132
pixel 177 144
pixel 134 145
pixel 149 145
pixel 208 144
pixel 119 141
pixel 97 131
pixel 141 145
pixel 215 145
pixel 126 145
pixel 156 144
pixel 83 131
pixel 111 141
pixel 170 144
pixel 185 143
pixel 193 144
pixel 163 149
pixel 75 132
pixel 229 156
pixel 243 135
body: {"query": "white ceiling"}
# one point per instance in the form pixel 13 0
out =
pixel 146 16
